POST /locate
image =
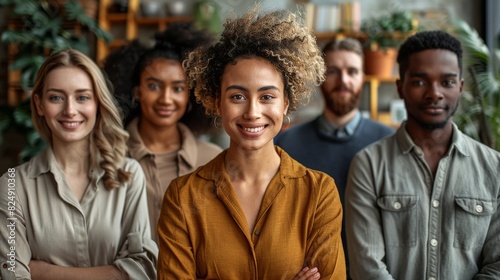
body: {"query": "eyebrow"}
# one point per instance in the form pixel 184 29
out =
pixel 63 91
pixel 264 88
pixel 423 74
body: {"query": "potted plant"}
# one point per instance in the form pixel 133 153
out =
pixel 41 28
pixel 479 114
pixel 384 34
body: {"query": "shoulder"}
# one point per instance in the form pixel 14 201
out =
pixel 378 127
pixel 296 131
pixel 293 170
pixel 208 148
pixel 133 166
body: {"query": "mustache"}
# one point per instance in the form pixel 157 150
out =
pixel 343 87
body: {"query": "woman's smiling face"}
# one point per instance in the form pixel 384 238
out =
pixel 252 103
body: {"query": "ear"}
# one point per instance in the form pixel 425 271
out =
pixel 137 93
pixel 38 105
pixel 399 85
pixel 287 104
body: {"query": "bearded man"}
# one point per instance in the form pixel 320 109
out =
pixel 329 142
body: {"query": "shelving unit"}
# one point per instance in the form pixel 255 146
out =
pixel 374 84
pixel 132 21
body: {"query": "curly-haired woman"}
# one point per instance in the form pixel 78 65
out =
pixel 78 209
pixel 163 126
pixel 253 212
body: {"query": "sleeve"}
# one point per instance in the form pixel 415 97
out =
pixel 491 249
pixel 15 253
pixel 324 245
pixel 139 254
pixel 365 241
pixel 176 259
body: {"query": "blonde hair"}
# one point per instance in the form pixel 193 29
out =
pixel 279 37
pixel 108 135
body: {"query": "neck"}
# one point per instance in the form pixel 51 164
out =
pixel 72 158
pixel 160 140
pixel 430 140
pixel 339 121
pixel 256 165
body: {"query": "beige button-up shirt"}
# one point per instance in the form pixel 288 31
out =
pixel 48 223
pixel 193 153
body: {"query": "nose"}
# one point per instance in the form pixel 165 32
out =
pixel 344 77
pixel 70 108
pixel 253 110
pixel 434 92
pixel 166 96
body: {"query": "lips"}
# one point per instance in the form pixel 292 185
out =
pixel 253 129
pixel 434 109
pixel 165 112
pixel 71 125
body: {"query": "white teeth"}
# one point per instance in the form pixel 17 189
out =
pixel 71 124
pixel 253 129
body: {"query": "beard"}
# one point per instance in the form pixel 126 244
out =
pixel 436 125
pixel 341 105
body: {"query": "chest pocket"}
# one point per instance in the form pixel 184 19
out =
pixel 399 219
pixel 472 221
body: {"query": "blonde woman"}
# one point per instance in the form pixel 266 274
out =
pixel 79 208
pixel 253 212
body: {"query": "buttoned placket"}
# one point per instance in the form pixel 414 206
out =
pixel 435 217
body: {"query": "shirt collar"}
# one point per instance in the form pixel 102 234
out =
pixel 406 143
pixel 289 168
pixel 46 162
pixel 138 149
pixel 330 129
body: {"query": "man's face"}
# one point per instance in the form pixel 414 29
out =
pixel 344 81
pixel 431 88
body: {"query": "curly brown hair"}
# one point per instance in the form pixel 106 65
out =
pixel 279 36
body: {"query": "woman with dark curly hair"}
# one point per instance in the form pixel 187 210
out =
pixel 164 124
pixel 253 212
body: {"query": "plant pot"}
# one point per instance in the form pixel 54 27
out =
pixel 380 63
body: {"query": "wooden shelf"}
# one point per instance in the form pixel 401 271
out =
pixel 132 21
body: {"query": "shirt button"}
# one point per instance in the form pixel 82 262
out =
pixel 434 242
pixel 396 205
pixel 479 208
pixel 432 278
pixel 257 232
pixel 435 203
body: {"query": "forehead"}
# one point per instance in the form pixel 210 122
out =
pixel 433 60
pixel 343 58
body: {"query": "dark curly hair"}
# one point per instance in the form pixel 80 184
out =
pixel 125 65
pixel 277 36
pixel 427 40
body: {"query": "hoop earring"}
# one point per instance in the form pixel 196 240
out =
pixel 217 123
pixel 286 124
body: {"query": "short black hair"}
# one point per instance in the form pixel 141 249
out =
pixel 427 40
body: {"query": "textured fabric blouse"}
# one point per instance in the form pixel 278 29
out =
pixel 204 233
pixel 193 153
pixel 107 227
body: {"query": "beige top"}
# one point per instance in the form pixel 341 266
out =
pixel 193 153
pixel 107 227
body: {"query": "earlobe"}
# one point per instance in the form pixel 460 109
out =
pixel 36 99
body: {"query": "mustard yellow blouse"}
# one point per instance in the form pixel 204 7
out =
pixel 203 231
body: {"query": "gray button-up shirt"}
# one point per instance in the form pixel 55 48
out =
pixel 402 223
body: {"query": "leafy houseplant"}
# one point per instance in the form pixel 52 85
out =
pixel 42 27
pixel 42 31
pixel 383 35
pixel 479 114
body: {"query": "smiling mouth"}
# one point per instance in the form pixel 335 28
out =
pixel 253 129
pixel 71 124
